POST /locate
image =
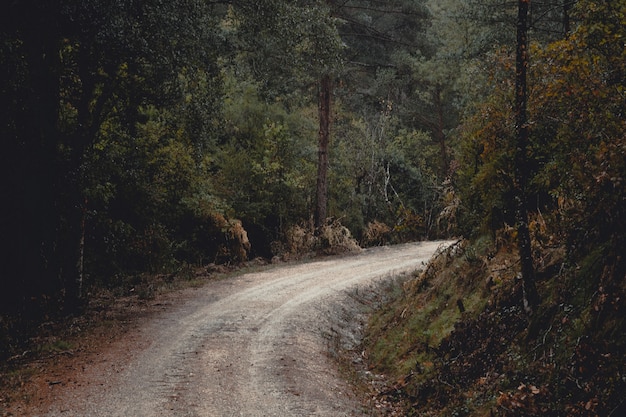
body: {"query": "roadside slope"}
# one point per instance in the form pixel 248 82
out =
pixel 456 341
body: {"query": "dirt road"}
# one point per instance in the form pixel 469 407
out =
pixel 253 345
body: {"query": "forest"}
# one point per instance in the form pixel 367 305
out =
pixel 150 137
pixel 145 138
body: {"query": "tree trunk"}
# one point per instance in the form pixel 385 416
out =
pixel 73 254
pixel 440 134
pixel 324 139
pixel 567 27
pixel 75 203
pixel 530 296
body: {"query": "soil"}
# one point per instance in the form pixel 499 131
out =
pixel 255 344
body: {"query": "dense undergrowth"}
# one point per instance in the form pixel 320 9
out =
pixel 456 342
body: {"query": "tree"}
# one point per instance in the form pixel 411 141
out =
pixel 521 174
pixel 321 194
pixel 299 46
pixel 86 65
pixel 30 95
pixel 379 92
pixel 575 108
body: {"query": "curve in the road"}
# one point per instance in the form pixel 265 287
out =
pixel 248 346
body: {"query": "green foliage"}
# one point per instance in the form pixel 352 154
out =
pixel 579 96
pixel 266 162
pixel 101 85
pixel 384 173
pixel 576 91
pixel 485 177
pixel 285 45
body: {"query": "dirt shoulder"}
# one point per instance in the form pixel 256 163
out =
pixel 255 344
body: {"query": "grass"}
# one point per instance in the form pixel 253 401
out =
pixel 401 336
pixel 55 346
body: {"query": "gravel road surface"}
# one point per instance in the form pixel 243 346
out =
pixel 252 345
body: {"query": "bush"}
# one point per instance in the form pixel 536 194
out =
pixel 376 234
pixel 335 239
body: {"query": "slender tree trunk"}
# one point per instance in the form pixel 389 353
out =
pixel 75 203
pixel 530 296
pixel 324 139
pixel 567 28
pixel 73 234
pixel 441 136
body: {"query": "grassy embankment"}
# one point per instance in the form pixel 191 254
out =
pixel 456 342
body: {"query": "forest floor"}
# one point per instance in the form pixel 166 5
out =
pixel 259 343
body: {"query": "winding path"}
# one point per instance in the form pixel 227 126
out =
pixel 252 345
